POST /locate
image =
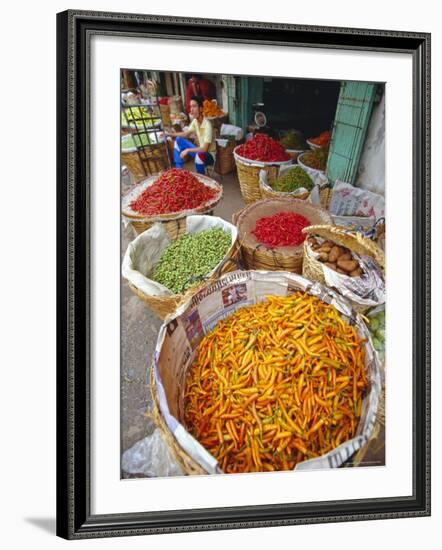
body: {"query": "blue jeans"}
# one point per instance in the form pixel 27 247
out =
pixel 201 159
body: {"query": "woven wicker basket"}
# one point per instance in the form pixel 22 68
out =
pixel 163 306
pixel 134 165
pixel 175 224
pixel 165 115
pixel 174 228
pixel 259 256
pixel 325 195
pixel 183 458
pixel 225 162
pixel 248 176
pixel 176 105
pixel 156 161
pixel 188 465
pixel 313 269
pixel 294 153
pixel 355 242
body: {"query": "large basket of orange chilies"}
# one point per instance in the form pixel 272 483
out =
pixel 263 371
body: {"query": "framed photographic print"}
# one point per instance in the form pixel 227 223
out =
pixel 243 274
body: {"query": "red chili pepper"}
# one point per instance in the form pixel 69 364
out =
pixel 282 229
pixel 264 148
pixel 174 191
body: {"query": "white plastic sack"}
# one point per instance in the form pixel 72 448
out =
pixel 347 200
pixel 151 457
pixel 231 130
pixel 143 253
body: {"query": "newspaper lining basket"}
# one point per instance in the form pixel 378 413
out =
pixel 170 404
pixel 354 241
pixel 314 270
pixel 163 306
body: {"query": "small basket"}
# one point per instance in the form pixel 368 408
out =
pixel 155 157
pixel 284 258
pixel 294 153
pixel 165 115
pixel 313 146
pixel 248 175
pixel 175 105
pixel 225 162
pixel 308 169
pixel 313 269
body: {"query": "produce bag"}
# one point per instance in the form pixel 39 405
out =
pixel 180 336
pixel 231 130
pixel 144 253
pixel 348 200
pixel 151 457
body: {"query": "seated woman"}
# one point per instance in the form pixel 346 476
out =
pixel 202 128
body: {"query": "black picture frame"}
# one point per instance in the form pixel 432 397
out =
pixel 74 518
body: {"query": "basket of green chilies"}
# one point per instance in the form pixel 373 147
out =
pixel 291 182
pixel 165 272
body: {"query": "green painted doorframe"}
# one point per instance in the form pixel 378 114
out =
pixel 249 91
pixel 353 112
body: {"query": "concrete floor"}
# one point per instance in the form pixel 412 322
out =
pixel 139 329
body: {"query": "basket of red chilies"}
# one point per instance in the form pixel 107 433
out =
pixel 261 152
pixel 169 198
pixel 270 232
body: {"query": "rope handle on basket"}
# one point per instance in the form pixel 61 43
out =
pixel 224 262
pixel 236 215
pixel 190 280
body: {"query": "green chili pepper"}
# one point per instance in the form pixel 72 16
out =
pixel 292 180
pixel 191 257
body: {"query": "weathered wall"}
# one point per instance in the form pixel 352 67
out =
pixel 371 171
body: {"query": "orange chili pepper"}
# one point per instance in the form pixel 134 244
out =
pixel 265 381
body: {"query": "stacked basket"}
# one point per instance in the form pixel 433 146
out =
pixel 154 157
pixel 225 163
